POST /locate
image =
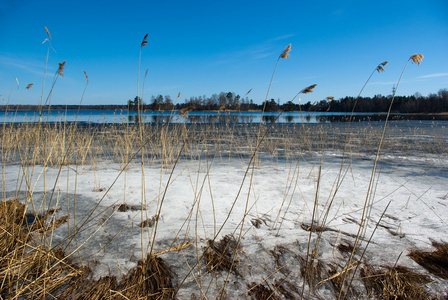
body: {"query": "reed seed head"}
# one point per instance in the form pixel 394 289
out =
pixel 48 32
pixel 329 98
pixel 285 54
pixel 61 69
pixel 145 41
pixel 417 58
pixel 29 86
pixel 380 66
pixel 184 111
pixel 308 89
pixel 380 69
pixel 87 77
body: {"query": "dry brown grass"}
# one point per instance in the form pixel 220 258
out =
pixel 218 256
pixel 435 262
pixel 151 279
pixel 29 270
pixel 261 291
pixel 394 283
pixel 52 145
pixel 149 222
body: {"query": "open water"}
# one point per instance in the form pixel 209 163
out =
pixel 205 117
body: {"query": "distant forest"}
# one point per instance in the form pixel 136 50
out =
pixel 433 103
pixel 417 103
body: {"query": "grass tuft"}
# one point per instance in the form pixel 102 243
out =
pixel 219 255
pixel 435 262
pixel 394 283
pixel 261 291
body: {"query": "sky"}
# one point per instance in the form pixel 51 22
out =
pixel 200 48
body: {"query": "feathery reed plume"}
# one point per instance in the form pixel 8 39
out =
pixel 17 80
pixel 384 63
pixel 145 41
pixel 48 32
pixel 184 111
pixel 329 98
pixel 87 77
pixel 380 69
pixel 308 89
pixel 285 54
pixel 247 93
pixel 222 107
pixel 61 69
pixel 416 58
pixel 29 86
pixel 178 95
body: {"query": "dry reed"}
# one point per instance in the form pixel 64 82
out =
pixel 394 283
pixel 435 262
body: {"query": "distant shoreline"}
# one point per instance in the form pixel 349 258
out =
pixel 125 108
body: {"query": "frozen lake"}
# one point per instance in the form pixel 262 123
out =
pixel 267 204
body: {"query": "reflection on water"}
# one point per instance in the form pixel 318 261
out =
pixel 269 119
pixel 289 118
pixel 146 119
pixel 118 116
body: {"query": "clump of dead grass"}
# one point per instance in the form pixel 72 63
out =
pixel 313 227
pixel 149 222
pixel 312 271
pixel 257 222
pixel 104 288
pixel 28 268
pixel 345 247
pixel 394 283
pixel 435 262
pixel 261 291
pixel 278 289
pixel 12 235
pixel 219 255
pixel 151 279
pixel 124 207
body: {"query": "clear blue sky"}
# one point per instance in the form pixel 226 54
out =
pixel 204 47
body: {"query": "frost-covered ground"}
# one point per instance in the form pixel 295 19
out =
pixel 269 206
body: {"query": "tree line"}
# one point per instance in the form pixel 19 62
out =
pixel 228 101
pixel 433 103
